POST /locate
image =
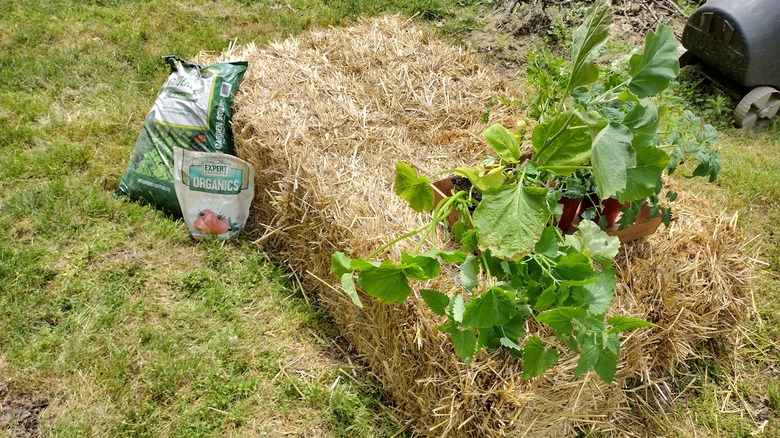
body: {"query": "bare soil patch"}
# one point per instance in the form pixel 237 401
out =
pixel 19 413
pixel 509 34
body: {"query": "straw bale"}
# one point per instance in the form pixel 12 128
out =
pixel 324 117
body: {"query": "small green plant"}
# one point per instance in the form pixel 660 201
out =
pixel 547 75
pixel 558 32
pixel 428 9
pixel 517 268
pixel 718 105
pixel 693 89
pixel 773 394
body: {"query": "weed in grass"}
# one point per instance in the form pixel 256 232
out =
pixel 559 32
pixel 478 3
pixel 428 9
pixel 348 415
pixel 773 395
pixel 458 28
pixel 695 91
pixel 687 6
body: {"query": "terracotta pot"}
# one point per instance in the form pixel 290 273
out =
pixel 441 190
pixel 644 225
pixel 570 208
pixel 610 210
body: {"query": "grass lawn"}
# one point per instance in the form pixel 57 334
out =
pixel 122 325
pixel 109 312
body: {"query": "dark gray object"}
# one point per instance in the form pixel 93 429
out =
pixel 738 38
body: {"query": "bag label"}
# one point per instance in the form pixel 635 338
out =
pixel 214 191
pixel 215 176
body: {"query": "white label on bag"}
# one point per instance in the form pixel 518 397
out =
pixel 214 191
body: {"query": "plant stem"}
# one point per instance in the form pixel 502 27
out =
pixel 424 238
pixel 609 95
pixel 486 265
pixel 554 168
pixel 522 175
pixel 396 240
pixel 440 213
pixel 445 171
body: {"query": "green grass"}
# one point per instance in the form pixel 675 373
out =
pixel 110 311
pixel 735 392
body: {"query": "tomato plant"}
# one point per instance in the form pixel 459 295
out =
pixel 515 265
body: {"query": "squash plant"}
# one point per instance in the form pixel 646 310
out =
pixel 515 266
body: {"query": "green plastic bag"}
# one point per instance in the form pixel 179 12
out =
pixel 192 111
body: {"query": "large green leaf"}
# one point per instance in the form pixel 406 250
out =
pixel 513 346
pixel 455 256
pixel 621 324
pixel 606 366
pixel 548 242
pixel 491 308
pixel 415 189
pixel 361 264
pixel 598 295
pixel 436 300
pixel 643 179
pixel 469 272
pixel 511 219
pixel 590 240
pixel 457 307
pixel 421 266
pixel 386 282
pixel 481 179
pixel 611 157
pixel 491 180
pixel 590 353
pixel 612 342
pixel 643 121
pixel 340 264
pixel 560 319
pixel 575 266
pixel 503 142
pixel 588 40
pixel 507 335
pixel 488 338
pixel 515 328
pixel 468 239
pixel 548 298
pixel 465 343
pixel 562 142
pixel 537 359
pixel 658 64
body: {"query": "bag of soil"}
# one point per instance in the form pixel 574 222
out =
pixel 192 111
pixel 214 190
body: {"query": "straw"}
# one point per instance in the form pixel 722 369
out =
pixel 324 117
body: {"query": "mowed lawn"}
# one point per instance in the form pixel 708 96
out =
pixel 120 324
